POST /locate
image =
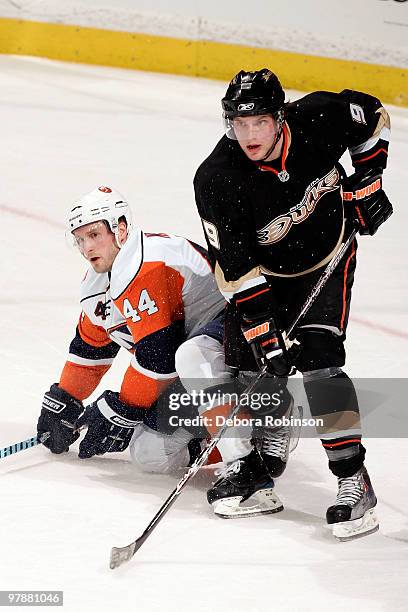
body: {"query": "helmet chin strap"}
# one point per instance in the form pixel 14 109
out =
pixel 279 121
pixel 116 234
pixel 117 239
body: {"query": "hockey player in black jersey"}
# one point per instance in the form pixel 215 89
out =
pixel 276 204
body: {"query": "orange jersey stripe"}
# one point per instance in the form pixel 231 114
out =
pixel 343 315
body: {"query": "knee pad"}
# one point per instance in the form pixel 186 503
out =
pixel 200 363
pixel 330 391
pixel 319 349
pixel 159 453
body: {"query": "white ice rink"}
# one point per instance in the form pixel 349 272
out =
pixel 65 129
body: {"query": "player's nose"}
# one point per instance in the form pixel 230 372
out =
pixel 88 247
pixel 253 132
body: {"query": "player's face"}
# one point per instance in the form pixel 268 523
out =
pixel 98 245
pixel 256 136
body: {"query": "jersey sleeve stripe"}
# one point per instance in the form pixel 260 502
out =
pixel 150 373
pixel 371 142
pixel 88 362
pixel 359 161
pixel 249 283
pixel 91 342
pixel 253 295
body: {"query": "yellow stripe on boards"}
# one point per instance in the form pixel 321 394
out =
pixel 198 58
pixel 306 72
pixel 97 46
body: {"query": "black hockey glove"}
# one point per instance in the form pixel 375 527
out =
pixel 372 207
pixel 110 425
pixel 268 346
pixel 58 416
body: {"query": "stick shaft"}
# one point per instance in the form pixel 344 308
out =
pixel 332 265
pixel 120 555
pixel 23 445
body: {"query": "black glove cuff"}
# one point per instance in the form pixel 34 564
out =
pixel 361 177
pixel 118 413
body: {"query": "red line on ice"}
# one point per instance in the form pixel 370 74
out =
pixel 383 328
pixel 30 215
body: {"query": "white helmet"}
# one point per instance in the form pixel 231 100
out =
pixel 100 204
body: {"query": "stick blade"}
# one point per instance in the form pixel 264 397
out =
pixel 121 555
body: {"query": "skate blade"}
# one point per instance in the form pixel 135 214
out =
pixel 351 530
pixel 266 502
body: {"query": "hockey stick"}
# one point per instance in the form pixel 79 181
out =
pixel 121 555
pixel 20 446
pixel 29 443
pixel 332 265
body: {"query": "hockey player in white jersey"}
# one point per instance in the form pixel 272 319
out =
pixel 144 292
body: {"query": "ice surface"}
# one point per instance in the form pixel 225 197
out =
pixel 64 130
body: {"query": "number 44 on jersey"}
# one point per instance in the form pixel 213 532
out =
pixel 145 304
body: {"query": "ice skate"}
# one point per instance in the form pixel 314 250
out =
pixel 353 514
pixel 244 488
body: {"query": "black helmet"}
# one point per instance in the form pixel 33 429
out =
pixel 253 93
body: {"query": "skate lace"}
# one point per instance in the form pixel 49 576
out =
pixel 276 444
pixel 227 470
pixel 350 491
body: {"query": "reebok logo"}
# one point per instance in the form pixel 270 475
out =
pixel 246 107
